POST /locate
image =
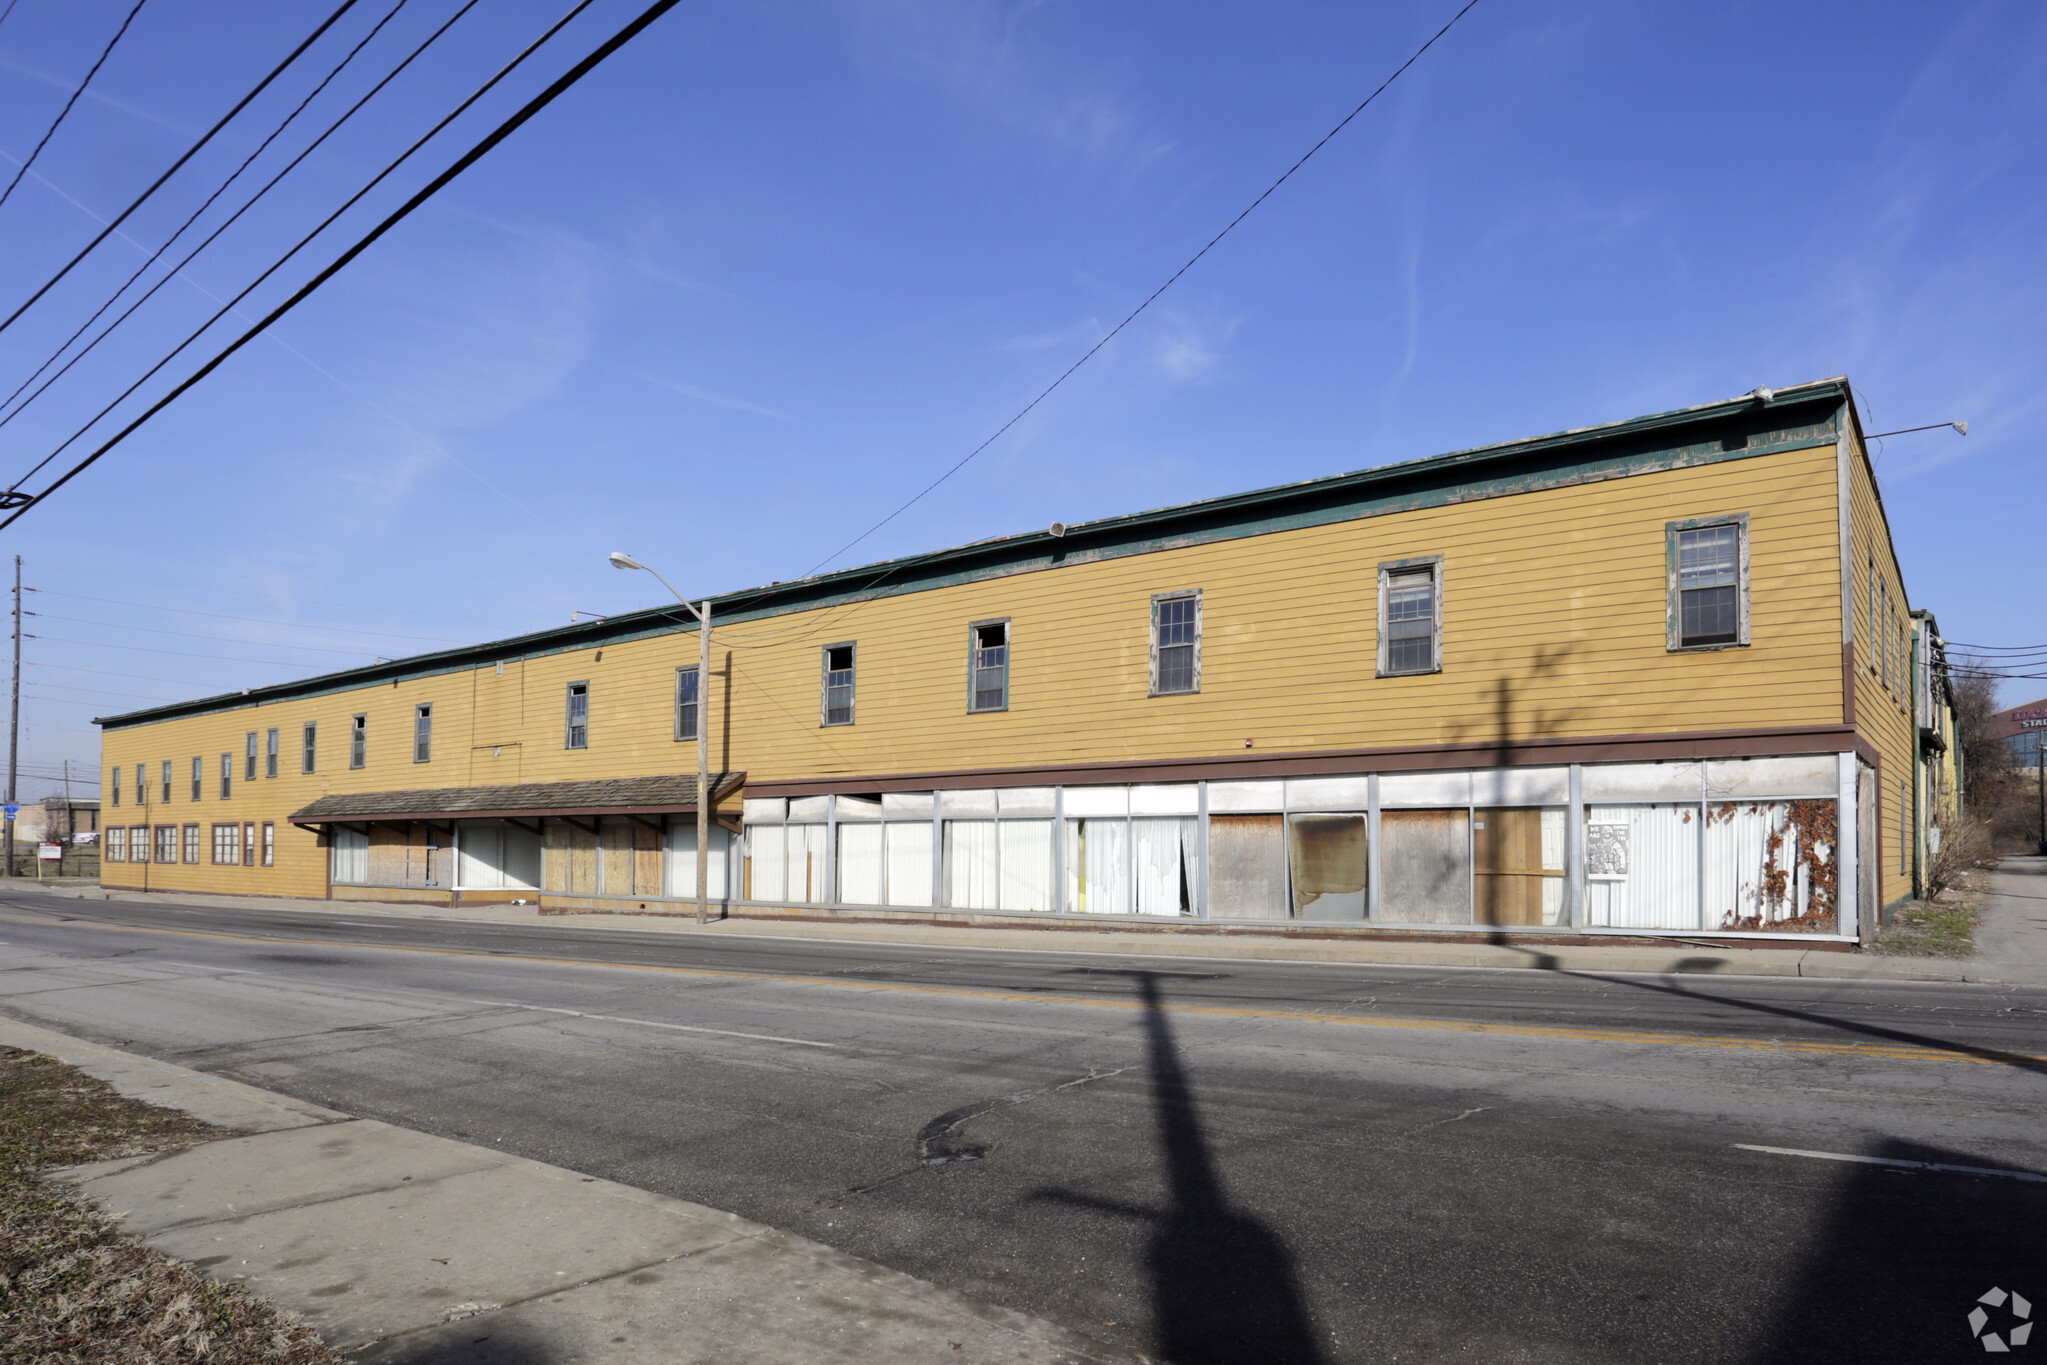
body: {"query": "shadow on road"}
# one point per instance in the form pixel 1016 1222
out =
pixel 1223 1287
pixel 474 1341
pixel 1901 1261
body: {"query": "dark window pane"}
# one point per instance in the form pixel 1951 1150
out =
pixel 1411 623
pixel 991 667
pixel 1708 616
pixel 838 685
pixel 1176 668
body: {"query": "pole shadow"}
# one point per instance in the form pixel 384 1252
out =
pixel 1902 1260
pixel 1223 1286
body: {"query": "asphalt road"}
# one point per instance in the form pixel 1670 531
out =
pixel 1208 1161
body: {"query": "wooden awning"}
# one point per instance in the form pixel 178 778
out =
pixel 668 794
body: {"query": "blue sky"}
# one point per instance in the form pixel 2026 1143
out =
pixel 778 264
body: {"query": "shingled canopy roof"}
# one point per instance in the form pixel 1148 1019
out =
pixel 666 794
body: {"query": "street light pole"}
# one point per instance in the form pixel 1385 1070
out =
pixel 702 611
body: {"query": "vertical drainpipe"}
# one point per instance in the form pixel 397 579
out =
pixel 1848 854
pixel 1372 910
pixel 1574 850
pixel 1918 775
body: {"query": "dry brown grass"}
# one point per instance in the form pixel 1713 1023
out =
pixel 75 1292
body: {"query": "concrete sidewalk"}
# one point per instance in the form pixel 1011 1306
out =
pixel 399 1247
pixel 1682 956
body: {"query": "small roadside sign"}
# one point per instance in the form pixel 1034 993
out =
pixel 50 853
pixel 13 808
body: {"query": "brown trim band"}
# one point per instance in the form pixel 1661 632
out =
pixel 523 813
pixel 1848 683
pixel 1523 753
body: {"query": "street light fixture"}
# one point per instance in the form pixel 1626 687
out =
pixel 702 611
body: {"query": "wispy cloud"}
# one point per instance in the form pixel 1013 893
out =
pixel 706 396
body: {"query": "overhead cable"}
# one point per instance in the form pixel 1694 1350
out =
pixel 48 133
pixel 469 158
pixel 1110 336
pixel 193 217
pixel 190 152
pixel 176 270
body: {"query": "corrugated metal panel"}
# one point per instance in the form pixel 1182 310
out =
pixel 1658 849
pixel 1770 866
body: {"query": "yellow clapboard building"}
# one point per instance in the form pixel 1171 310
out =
pixel 1653 677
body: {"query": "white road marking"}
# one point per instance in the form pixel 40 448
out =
pixel 1893 1161
pixel 653 1023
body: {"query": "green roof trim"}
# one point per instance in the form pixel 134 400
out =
pixel 1710 433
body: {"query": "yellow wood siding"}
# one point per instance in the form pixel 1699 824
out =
pixel 1883 716
pixel 1553 625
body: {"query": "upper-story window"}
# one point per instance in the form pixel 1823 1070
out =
pixel 270 752
pixel 358 740
pixel 578 736
pixel 1410 616
pixel 688 699
pixel 1708 582
pixel 988 666
pixel 423 733
pixel 249 757
pixel 167 781
pixel 141 784
pixel 838 684
pixel 309 742
pixel 115 786
pixel 227 775
pixel 198 776
pixel 1176 642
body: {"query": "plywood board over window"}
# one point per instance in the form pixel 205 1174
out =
pixel 1518 861
pixel 1425 863
pixel 1247 867
pixel 1330 866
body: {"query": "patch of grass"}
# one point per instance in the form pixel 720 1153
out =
pixel 1942 927
pixel 73 1291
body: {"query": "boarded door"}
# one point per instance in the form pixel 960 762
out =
pixel 1425 858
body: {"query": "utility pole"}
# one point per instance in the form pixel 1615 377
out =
pixel 704 764
pixel 2040 771
pixel 14 719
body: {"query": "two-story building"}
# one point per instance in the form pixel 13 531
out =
pixel 1652 677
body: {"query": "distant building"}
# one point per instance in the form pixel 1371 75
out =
pixel 1653 677
pixel 59 819
pixel 2024 728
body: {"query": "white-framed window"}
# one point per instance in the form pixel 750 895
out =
pixel 138 843
pixel 270 752
pixel 115 788
pixel 988 666
pixel 358 740
pixel 249 757
pixel 423 733
pixel 248 843
pixel 309 743
pixel 227 776
pixel 578 728
pixel 840 661
pixel 1411 616
pixel 166 843
pixel 269 841
pixel 116 849
pixel 198 776
pixel 1176 642
pixel 191 843
pixel 688 702
pixel 227 844
pixel 167 781
pixel 1708 571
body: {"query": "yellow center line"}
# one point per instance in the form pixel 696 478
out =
pixel 1562 1033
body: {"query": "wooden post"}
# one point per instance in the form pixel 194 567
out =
pixel 704 762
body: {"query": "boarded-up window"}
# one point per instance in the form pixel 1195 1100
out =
pixel 1518 857
pixel 571 859
pixel 1770 865
pixel 682 860
pixel 1642 866
pixel 496 855
pixel 1246 867
pixel 1330 866
pixel 860 864
pixel 1425 861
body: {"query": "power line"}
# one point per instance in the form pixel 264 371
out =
pixel 1046 392
pixel 343 606
pixel 190 152
pixel 177 270
pixel 181 653
pixel 157 255
pixel 115 673
pixel 66 110
pixel 469 158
